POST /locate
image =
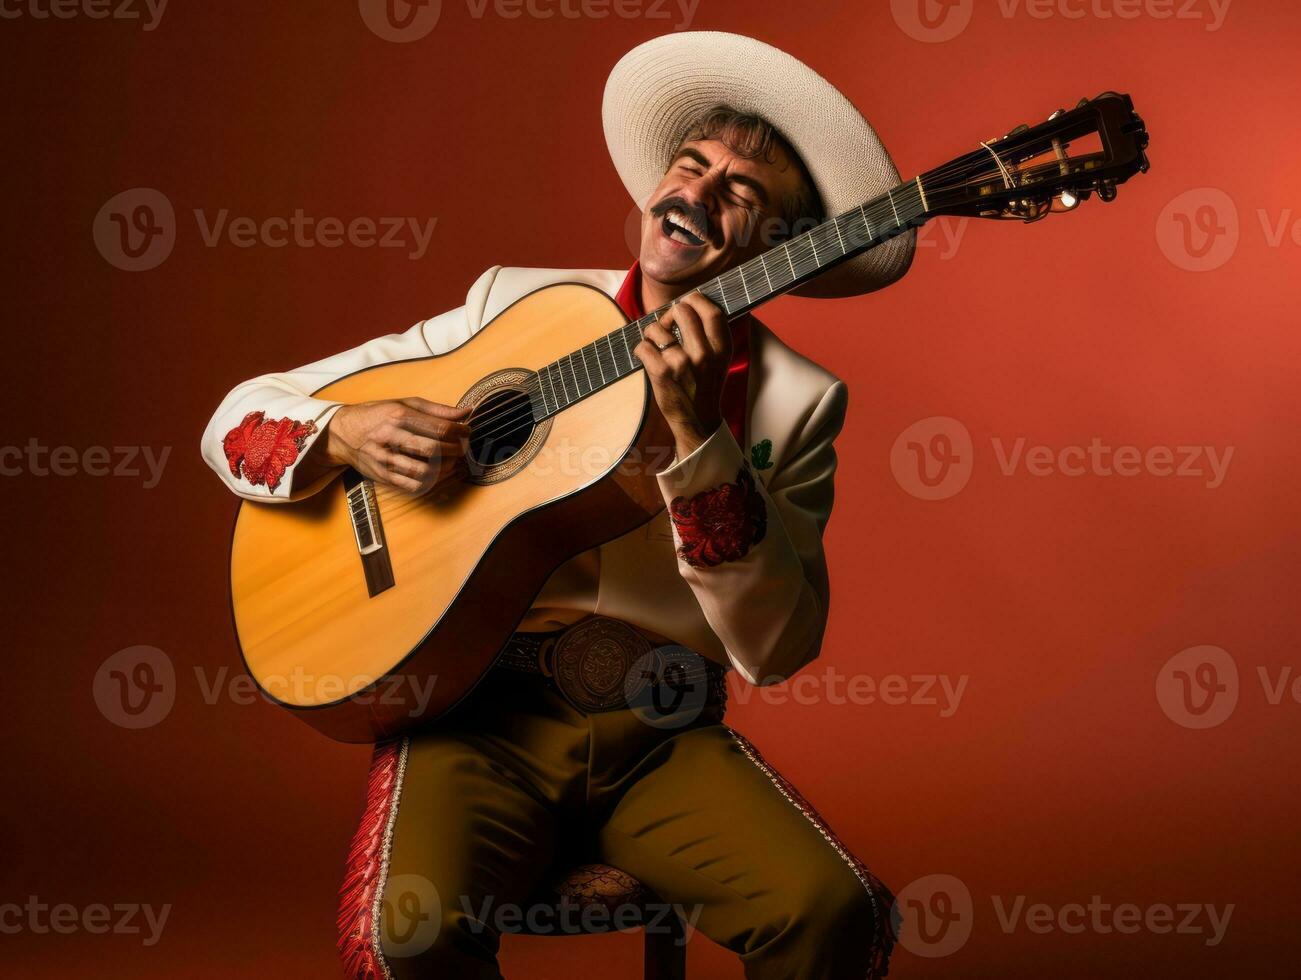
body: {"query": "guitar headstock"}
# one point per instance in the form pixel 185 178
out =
pixel 1036 170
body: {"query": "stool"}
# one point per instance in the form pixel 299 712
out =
pixel 599 886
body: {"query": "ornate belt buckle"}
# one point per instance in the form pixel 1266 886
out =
pixel 592 662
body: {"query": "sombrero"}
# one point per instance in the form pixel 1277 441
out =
pixel 659 88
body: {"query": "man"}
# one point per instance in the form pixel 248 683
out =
pixel 720 139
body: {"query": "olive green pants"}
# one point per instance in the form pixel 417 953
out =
pixel 464 824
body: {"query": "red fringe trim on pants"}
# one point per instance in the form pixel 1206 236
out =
pixel 367 867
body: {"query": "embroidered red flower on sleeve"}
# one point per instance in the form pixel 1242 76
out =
pixel 719 525
pixel 264 447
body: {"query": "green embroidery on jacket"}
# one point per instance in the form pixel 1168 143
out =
pixel 761 454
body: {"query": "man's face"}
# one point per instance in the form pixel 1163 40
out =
pixel 713 210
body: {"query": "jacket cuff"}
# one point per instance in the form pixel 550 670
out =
pixel 714 461
pixel 262 451
pixel 716 506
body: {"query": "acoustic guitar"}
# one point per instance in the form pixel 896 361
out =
pixel 366 611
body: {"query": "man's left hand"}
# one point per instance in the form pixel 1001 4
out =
pixel 687 378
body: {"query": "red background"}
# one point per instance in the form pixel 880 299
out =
pixel 1059 598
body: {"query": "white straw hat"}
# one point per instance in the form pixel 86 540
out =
pixel 659 88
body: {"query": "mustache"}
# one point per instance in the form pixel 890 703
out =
pixel 693 211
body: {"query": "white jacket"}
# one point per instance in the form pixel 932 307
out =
pixel 764 613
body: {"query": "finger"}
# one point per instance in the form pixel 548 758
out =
pixel 436 409
pixel 404 465
pixel 652 359
pixel 432 426
pixel 692 331
pixel 713 322
pixel 402 441
pixel 397 481
pixel 660 336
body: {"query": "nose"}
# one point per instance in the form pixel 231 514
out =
pixel 703 192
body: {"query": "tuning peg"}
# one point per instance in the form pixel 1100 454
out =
pixel 1107 191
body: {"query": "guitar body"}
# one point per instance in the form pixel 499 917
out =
pixel 363 646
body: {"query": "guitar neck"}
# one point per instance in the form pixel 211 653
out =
pixel 737 291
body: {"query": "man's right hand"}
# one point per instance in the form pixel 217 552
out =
pixel 411 445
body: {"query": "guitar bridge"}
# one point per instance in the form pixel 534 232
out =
pixel 368 531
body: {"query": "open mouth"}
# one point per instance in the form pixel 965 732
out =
pixel 681 229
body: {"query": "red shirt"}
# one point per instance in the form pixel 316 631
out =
pixel 738 371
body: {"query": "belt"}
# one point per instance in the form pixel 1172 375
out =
pixel 604 664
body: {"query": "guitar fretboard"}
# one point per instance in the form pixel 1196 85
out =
pixel 737 291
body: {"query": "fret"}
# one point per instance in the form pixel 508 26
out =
pixel 628 349
pixel 836 224
pixel 737 299
pixel 582 355
pixel 753 270
pixel 614 358
pixel 870 233
pixel 787 252
pixel 763 264
pixel 568 361
pixel 561 394
pixel 544 383
pixel 537 401
pixel 589 355
pixel 890 195
pixel 827 242
pixel 564 383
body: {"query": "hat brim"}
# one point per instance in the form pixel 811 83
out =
pixel 659 88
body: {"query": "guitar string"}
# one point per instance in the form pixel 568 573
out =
pixel 803 254
pixel 799 250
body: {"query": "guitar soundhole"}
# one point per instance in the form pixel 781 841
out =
pixel 503 435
